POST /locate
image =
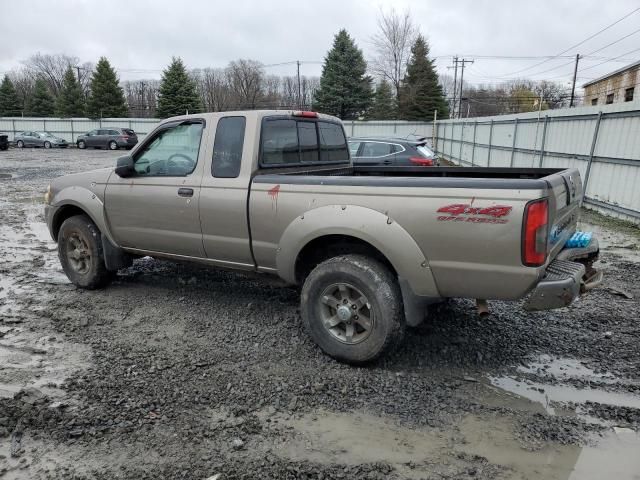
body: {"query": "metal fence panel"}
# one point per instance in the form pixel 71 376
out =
pixel 603 142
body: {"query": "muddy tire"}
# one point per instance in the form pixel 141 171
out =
pixel 351 307
pixel 80 253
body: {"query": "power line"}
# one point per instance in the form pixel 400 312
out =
pixel 602 63
pixel 574 46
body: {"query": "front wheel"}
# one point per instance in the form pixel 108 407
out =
pixel 112 145
pixel 47 144
pixel 352 308
pixel 80 253
pixel 20 144
pixel 81 144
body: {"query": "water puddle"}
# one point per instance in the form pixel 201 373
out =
pixel 550 395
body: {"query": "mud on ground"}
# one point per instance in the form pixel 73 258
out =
pixel 178 372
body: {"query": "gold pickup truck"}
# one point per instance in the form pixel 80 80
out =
pixel 371 247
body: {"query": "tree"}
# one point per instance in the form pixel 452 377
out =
pixel 246 80
pixel 41 103
pixel 52 68
pixel 70 101
pixel 107 97
pixel 9 102
pixel 345 89
pixel 420 92
pixel 177 93
pixel 384 103
pixel 393 47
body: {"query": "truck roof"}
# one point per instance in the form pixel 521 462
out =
pixel 248 113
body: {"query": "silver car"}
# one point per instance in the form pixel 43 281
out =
pixel 39 139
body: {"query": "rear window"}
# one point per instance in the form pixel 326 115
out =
pixel 227 147
pixel 288 141
pixel 333 144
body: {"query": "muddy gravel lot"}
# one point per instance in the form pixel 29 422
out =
pixel 177 372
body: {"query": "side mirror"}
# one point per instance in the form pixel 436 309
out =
pixel 124 166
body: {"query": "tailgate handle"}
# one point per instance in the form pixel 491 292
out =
pixel 185 192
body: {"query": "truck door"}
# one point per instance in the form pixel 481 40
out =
pixel 223 198
pixel 156 209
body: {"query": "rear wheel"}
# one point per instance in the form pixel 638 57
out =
pixel 47 144
pixel 352 308
pixel 81 144
pixel 112 145
pixel 20 144
pixel 80 253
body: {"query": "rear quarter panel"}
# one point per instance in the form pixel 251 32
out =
pixel 468 255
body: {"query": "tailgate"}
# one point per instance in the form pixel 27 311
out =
pixel 564 204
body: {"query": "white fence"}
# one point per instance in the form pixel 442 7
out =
pixel 603 142
pixel 70 128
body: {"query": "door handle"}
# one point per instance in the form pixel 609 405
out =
pixel 185 192
pixel 387 162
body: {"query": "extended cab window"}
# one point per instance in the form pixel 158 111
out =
pixel 227 148
pixel 172 152
pixel 290 141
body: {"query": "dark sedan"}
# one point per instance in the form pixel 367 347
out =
pixel 407 151
pixel 110 138
pixel 39 139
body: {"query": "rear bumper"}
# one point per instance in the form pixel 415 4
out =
pixel 566 278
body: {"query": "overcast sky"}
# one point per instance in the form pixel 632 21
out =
pixel 139 37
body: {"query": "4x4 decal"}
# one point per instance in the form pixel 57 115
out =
pixel 464 212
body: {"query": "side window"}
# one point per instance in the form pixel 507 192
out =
pixel 172 152
pixel 227 147
pixel 308 141
pixel 376 149
pixel 114 132
pixel 353 148
pixel 333 144
pixel 279 142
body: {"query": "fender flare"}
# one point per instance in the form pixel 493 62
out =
pixel 88 202
pixel 368 225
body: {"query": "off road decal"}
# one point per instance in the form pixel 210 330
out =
pixel 464 212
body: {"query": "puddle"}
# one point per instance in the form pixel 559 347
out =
pixel 356 438
pixel 547 395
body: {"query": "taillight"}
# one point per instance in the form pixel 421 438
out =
pixel 534 241
pixel 427 162
pixel 305 114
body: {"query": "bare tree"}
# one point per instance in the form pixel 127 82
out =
pixel 246 79
pixel 393 44
pixel 24 83
pixel 142 97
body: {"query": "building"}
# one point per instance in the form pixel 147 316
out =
pixel 615 87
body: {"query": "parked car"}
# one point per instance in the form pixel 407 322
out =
pixel 275 192
pixel 39 139
pixel 407 151
pixel 4 141
pixel 110 138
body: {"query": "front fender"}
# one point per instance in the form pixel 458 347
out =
pixel 84 199
pixel 371 226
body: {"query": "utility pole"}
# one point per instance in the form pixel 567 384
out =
pixel 144 106
pixel 299 91
pixel 463 63
pixel 573 86
pixel 452 113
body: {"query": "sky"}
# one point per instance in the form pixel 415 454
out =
pixel 139 37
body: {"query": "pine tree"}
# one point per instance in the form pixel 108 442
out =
pixel 420 92
pixel 41 102
pixel 177 93
pixel 384 103
pixel 345 89
pixel 9 103
pixel 107 97
pixel 70 101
